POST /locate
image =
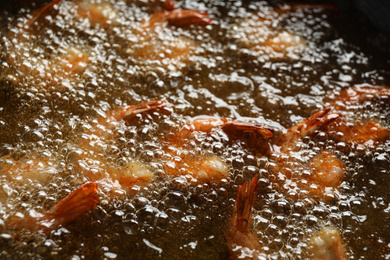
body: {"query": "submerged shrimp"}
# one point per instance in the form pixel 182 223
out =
pixel 101 13
pixel 93 158
pixel 28 60
pixel 67 210
pixel 327 244
pixel 181 161
pixel 326 171
pixel 258 33
pixel 370 132
pixel 359 94
pixel 155 44
pixel 27 170
pixel 243 244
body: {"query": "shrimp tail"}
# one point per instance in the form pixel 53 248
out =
pixel 178 18
pixel 240 240
pixel 65 211
pixel 242 211
pixel 317 121
pixel 75 204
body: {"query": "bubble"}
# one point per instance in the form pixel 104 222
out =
pixel 50 107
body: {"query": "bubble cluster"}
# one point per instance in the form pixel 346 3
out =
pixel 65 72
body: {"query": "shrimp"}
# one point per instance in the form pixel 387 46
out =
pixel 179 159
pixel 209 168
pixel 93 160
pixel 369 132
pixel 178 18
pixel 243 244
pixel 288 141
pixel 253 135
pixel 102 14
pixel 39 13
pixel 155 45
pixel 360 94
pixel 26 60
pixel 326 170
pixel 257 34
pixel 67 210
pixel 327 244
pixel 28 170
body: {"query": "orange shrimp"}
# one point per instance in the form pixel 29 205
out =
pixel 370 132
pixel 326 170
pixel 179 159
pixel 155 45
pixel 102 14
pixel 359 94
pixel 253 135
pixel 257 33
pixel 179 18
pixel 38 14
pixel 135 173
pixel 307 127
pixel 72 61
pixel 209 168
pixel 67 210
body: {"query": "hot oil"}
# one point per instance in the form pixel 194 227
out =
pixel 47 110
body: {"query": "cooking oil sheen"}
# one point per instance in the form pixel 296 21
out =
pixel 257 62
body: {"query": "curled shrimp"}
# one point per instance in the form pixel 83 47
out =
pixel 258 33
pixel 370 132
pixel 70 62
pixel 359 94
pixel 67 210
pixel 179 159
pixel 154 44
pixel 178 18
pixel 92 160
pixel 326 171
pixel 209 168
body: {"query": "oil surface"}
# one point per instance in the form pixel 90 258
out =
pixel 48 108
